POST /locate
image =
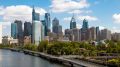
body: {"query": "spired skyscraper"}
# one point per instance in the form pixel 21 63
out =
pixel 84 30
pixel 85 24
pixel 14 30
pixel 35 16
pixel 73 23
pixel 37 28
pixel 47 22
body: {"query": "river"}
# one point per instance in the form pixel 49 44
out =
pixel 16 59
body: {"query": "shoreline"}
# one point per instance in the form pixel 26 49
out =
pixel 54 59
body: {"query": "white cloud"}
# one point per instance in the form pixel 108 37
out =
pixel 116 18
pixel 68 5
pixel 115 29
pixel 81 18
pixel 79 26
pixel 19 12
pixel 80 11
pixel 101 27
pixel 89 18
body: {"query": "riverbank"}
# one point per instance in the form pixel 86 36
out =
pixel 50 58
pixel 56 59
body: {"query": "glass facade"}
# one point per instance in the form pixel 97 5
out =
pixel 72 23
pixel 14 30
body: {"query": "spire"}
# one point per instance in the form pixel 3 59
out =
pixel 73 18
pixel 33 9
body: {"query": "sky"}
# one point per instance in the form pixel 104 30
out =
pixel 102 13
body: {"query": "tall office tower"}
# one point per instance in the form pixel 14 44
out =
pixel 14 30
pixel 35 16
pixel 27 29
pixel 97 33
pixel 105 34
pixel 56 28
pixel 75 33
pixel 0 33
pixel 84 31
pixel 20 31
pixel 47 22
pixel 85 24
pixel 73 23
pixel 45 27
pixel 92 33
pixel 68 33
pixel 36 32
pixel 55 24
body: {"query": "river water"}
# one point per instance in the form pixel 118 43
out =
pixel 16 59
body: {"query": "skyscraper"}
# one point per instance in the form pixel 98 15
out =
pixel 97 33
pixel 56 28
pixel 105 34
pixel 55 24
pixel 36 32
pixel 19 30
pixel 35 16
pixel 14 30
pixel 47 21
pixel 85 24
pixel 27 29
pixel 72 23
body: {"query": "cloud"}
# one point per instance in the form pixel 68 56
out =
pixel 68 5
pixel 79 11
pixel 101 27
pixel 89 18
pixel 115 30
pixel 19 12
pixel 116 18
pixel 81 18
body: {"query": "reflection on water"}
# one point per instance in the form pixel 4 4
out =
pixel 15 59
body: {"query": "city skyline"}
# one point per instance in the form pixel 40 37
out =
pixel 97 12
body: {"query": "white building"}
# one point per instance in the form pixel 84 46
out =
pixel 36 32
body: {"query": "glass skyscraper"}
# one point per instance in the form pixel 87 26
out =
pixel 14 30
pixel 72 23
pixel 19 30
pixel 85 24
pixel 47 21
pixel 35 16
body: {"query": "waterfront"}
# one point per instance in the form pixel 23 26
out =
pixel 16 59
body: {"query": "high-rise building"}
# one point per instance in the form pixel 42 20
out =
pixel 85 24
pixel 115 36
pixel 14 30
pixel 55 24
pixel 97 33
pixel 47 21
pixel 84 31
pixel 92 33
pixel 20 31
pixel 105 34
pixel 36 32
pixel 56 28
pixel 45 27
pixel 27 29
pixel 75 33
pixel 0 33
pixel 73 23
pixel 35 16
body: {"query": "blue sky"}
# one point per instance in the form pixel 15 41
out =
pixel 103 13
